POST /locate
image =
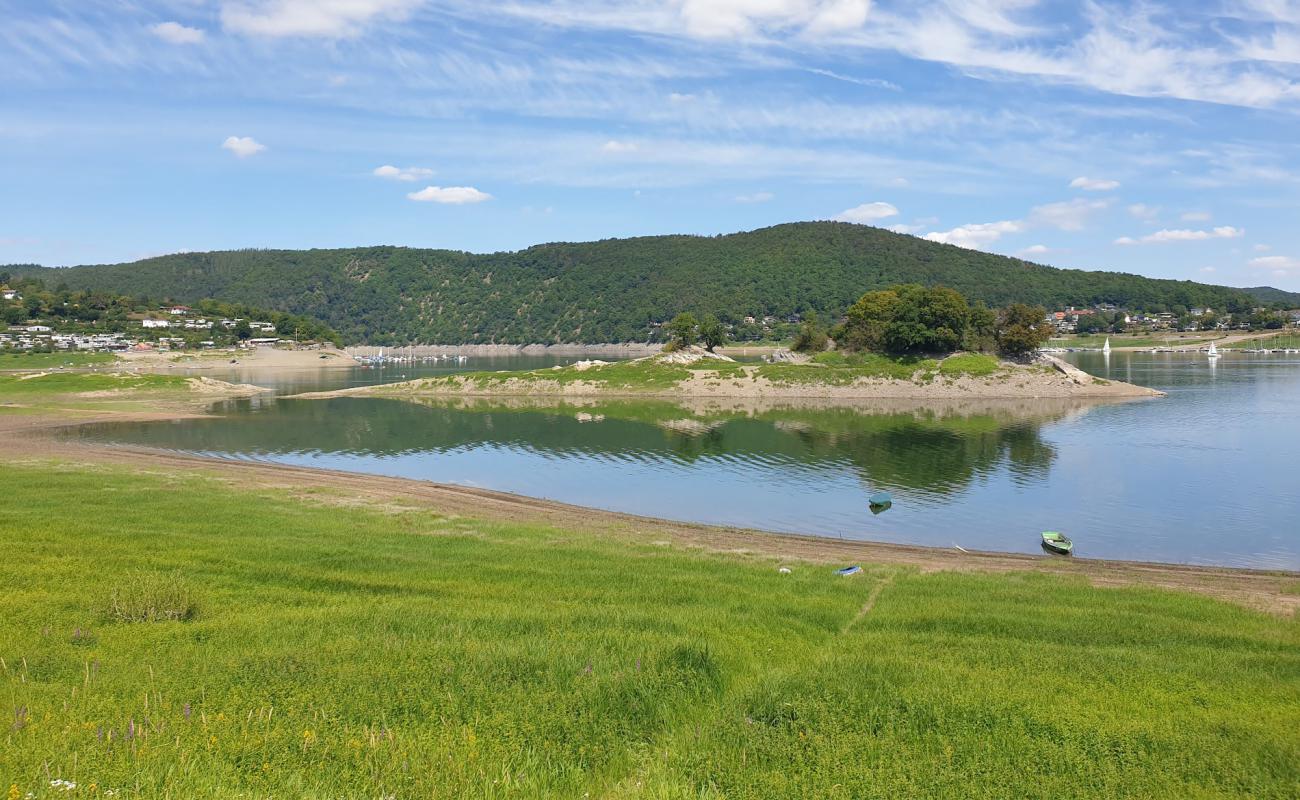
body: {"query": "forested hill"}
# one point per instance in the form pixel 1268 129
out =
pixel 611 290
pixel 1267 294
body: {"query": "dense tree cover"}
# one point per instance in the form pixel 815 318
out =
pixel 910 319
pixel 100 310
pixel 1276 298
pixel 615 289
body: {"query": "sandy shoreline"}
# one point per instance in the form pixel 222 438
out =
pixel 259 359
pixel 26 438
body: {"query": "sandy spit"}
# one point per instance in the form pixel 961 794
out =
pixel 1058 381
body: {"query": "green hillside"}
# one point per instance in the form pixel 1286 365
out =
pixel 1267 294
pixel 611 290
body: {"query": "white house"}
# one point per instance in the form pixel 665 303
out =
pixel 156 323
pixel 10 294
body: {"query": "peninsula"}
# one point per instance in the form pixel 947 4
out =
pixel 695 373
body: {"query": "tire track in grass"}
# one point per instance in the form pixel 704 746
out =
pixel 636 782
pixel 870 604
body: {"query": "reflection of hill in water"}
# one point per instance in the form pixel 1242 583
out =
pixel 925 448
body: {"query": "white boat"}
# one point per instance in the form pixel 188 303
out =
pixel 1213 352
pixel 1105 348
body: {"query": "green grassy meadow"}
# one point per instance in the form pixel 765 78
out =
pixel 827 369
pixel 328 650
pixel 24 360
pixel 87 391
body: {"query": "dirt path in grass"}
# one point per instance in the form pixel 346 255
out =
pixel 871 602
pixel 35 436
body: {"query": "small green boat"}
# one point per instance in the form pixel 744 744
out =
pixel 880 499
pixel 1058 543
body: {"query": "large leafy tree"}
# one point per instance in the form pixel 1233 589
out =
pixel 908 318
pixel 1022 329
pixel 712 332
pixel 682 331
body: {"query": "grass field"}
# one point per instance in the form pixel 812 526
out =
pixel 14 360
pixel 63 392
pixel 644 375
pixel 320 649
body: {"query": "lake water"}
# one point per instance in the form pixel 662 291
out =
pixel 1208 475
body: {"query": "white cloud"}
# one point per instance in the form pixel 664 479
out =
pixel 1035 250
pixel 403 173
pixel 908 229
pixel 1195 216
pixel 1144 211
pixel 451 195
pixel 978 235
pixel 1285 263
pixel 243 146
pixel 1262 248
pixel 899 183
pixel 867 213
pixel 756 197
pixel 616 146
pixel 1184 235
pixel 1206 270
pixel 1094 184
pixel 176 33
pixel 324 18
pixel 749 18
pixel 1070 215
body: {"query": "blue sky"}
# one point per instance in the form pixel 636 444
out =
pixel 1157 138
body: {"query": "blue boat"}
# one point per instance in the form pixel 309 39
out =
pixel 853 570
pixel 881 499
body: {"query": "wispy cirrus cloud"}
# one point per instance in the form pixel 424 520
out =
pixel 309 18
pixel 176 33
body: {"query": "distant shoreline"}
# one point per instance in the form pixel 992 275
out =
pixel 609 350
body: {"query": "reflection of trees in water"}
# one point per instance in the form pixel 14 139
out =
pixel 918 450
pixel 933 455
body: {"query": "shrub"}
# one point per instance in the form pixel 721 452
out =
pixel 148 596
pixel 812 336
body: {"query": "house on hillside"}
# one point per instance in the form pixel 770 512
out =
pixel 155 323
pixel 10 294
pixel 178 311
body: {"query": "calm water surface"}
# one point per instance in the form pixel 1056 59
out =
pixel 1210 474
